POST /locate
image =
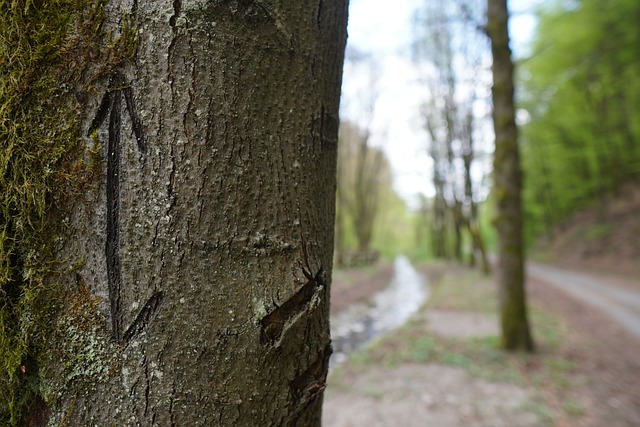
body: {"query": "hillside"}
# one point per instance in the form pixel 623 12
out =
pixel 605 237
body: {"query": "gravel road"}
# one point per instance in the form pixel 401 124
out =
pixel 621 304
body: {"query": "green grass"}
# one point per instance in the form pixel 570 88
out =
pixel 598 231
pixel 573 408
pixel 465 290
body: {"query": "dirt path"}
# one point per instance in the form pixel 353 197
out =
pixel 619 303
pixel 412 393
pixel 419 395
pixel 604 352
pixel 589 377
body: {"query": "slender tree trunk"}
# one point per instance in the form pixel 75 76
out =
pixel 457 223
pixel 366 192
pixel 439 227
pixel 508 183
pixel 203 296
pixel 339 247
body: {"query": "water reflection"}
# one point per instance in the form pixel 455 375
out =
pixel 358 325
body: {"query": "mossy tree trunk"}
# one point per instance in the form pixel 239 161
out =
pixel 206 236
pixel 508 183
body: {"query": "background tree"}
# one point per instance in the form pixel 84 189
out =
pixel 507 187
pixel 453 54
pixel 193 271
pixel 364 176
pixel 364 193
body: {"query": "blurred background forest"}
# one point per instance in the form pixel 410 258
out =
pixel 578 100
pixel 415 177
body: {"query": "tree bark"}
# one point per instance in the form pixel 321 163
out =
pixel 508 184
pixel 207 240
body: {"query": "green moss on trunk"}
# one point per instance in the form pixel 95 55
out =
pixel 50 52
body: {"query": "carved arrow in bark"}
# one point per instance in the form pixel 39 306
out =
pixel 111 106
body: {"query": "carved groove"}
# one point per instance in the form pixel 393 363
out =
pixel 319 13
pixel 177 7
pixel 144 317
pixel 114 274
pixel 101 114
pixel 273 323
pixel 310 383
pixel 136 123
pixel 111 105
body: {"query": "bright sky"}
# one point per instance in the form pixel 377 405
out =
pixel 382 29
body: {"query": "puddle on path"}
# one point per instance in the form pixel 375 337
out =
pixel 357 326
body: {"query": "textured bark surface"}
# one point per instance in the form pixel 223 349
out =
pixel 209 240
pixel 508 184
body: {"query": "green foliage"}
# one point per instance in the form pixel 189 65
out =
pixel 582 91
pixel 394 233
pixel 47 48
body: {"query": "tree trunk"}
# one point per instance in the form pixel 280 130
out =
pixel 508 183
pixel 207 237
pixel 439 226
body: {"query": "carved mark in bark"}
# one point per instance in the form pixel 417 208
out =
pixel 283 34
pixel 111 105
pixel 319 13
pixel 117 86
pixel 177 8
pixel 114 273
pixel 144 316
pixel 329 128
pixel 272 325
pixel 136 123
pixel 310 383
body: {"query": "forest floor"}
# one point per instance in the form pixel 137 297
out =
pixel 443 368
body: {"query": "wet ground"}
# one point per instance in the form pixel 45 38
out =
pixel 390 308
